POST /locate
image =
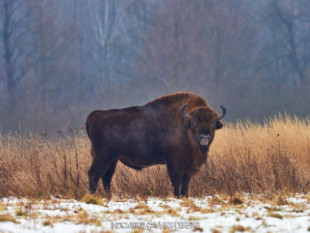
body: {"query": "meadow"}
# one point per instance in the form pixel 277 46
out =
pixel 245 157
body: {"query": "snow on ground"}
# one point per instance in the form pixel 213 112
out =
pixel 247 213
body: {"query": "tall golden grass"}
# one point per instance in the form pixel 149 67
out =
pixel 244 157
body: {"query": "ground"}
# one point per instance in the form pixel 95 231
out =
pixel 218 213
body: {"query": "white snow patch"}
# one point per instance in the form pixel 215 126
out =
pixel 182 215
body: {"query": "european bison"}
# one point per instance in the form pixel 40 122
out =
pixel 159 132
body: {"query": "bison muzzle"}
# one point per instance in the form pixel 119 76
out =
pixel 175 130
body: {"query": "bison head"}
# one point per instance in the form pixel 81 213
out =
pixel 203 121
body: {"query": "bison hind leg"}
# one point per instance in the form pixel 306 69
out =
pixel 107 177
pixel 93 181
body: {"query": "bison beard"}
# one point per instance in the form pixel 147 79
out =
pixel 159 132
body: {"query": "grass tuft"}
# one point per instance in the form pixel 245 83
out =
pixel 89 199
pixel 282 201
pixel 198 229
pixel 239 228
pixel 236 200
pixel 20 213
pixel 47 223
pixel 7 218
pixel 275 215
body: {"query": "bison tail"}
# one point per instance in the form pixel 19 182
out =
pixel 87 128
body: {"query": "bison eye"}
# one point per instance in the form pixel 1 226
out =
pixel 194 124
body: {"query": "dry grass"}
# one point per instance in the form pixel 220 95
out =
pixel 89 199
pixel 244 157
pixel 239 228
pixel 7 218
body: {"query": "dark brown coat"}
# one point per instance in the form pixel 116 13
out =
pixel 159 132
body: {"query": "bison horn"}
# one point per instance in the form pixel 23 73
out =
pixel 184 114
pixel 223 114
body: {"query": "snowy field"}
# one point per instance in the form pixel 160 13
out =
pixel 209 214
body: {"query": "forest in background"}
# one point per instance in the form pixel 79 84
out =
pixel 59 60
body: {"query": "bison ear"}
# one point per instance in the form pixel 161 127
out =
pixel 219 124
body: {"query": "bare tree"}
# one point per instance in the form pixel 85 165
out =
pixel 103 17
pixel 290 24
pixel 12 32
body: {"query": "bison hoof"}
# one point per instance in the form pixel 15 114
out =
pixel 92 190
pixel 92 187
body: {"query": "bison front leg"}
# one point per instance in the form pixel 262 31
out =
pixel 176 180
pixel 185 182
pixel 107 177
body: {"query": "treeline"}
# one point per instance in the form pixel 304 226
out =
pixel 61 59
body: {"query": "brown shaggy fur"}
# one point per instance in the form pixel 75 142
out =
pixel 154 133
